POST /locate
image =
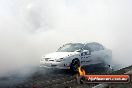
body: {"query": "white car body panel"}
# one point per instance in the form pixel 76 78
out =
pixel 62 60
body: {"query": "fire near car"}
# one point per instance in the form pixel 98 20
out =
pixel 73 55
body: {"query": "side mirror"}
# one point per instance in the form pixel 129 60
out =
pixel 85 50
pixel 78 50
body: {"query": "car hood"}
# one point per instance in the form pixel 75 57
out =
pixel 57 55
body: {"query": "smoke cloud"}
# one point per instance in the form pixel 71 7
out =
pixel 31 28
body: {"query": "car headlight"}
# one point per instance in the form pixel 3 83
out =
pixel 44 59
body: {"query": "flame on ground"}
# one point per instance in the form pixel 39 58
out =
pixel 81 71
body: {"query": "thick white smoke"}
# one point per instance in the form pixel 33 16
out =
pixel 30 28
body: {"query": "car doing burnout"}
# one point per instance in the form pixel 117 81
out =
pixel 73 55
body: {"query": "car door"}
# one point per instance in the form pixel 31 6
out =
pixel 96 52
pixel 85 55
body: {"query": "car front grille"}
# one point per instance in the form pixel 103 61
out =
pixel 53 65
pixel 51 60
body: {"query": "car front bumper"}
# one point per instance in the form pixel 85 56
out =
pixel 58 65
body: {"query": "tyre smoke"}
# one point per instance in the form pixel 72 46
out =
pixel 31 28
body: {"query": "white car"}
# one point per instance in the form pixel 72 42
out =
pixel 73 55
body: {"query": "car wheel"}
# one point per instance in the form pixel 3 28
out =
pixel 74 65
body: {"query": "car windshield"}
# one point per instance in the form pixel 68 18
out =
pixel 71 48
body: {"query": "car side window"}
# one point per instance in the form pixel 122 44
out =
pixel 94 46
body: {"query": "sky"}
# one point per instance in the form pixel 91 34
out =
pixel 32 28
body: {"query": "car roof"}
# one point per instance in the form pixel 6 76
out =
pixel 93 43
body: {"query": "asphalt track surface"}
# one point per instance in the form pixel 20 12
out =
pixel 53 78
